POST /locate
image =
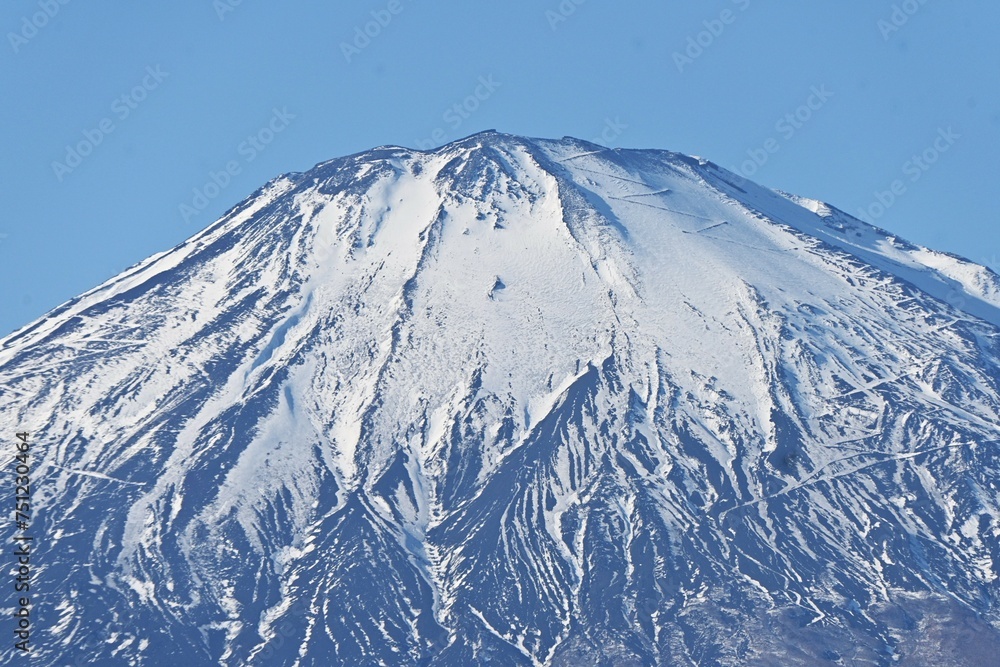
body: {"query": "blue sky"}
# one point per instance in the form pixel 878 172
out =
pixel 128 127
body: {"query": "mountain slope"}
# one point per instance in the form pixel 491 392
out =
pixel 519 402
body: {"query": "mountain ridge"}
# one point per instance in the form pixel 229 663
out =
pixel 520 401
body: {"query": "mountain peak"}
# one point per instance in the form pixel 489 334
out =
pixel 522 402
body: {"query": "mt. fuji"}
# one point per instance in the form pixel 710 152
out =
pixel 518 402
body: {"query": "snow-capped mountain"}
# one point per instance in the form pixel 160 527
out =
pixel 518 402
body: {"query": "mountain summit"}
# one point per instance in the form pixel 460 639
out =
pixel 518 402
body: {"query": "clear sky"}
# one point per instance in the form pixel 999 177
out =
pixel 116 115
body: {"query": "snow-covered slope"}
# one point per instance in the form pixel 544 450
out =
pixel 519 402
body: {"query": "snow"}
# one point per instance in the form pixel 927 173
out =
pixel 503 392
